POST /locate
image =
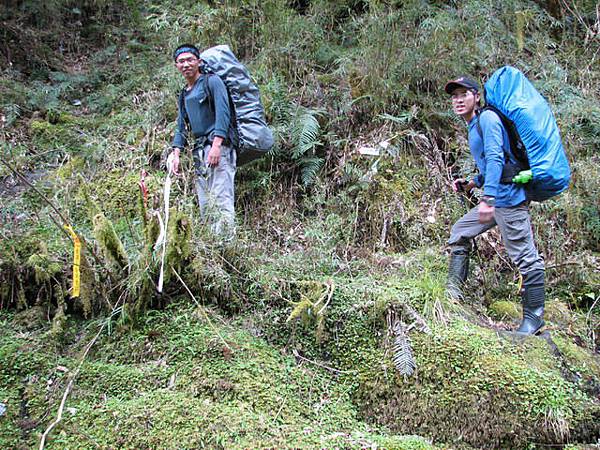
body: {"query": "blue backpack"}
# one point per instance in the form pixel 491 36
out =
pixel 533 133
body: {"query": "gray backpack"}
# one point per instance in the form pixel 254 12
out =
pixel 253 135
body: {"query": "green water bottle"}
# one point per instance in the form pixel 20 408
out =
pixel 524 176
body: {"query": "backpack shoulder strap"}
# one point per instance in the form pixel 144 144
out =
pixel 181 103
pixel 477 124
pixel 208 91
pixel 516 144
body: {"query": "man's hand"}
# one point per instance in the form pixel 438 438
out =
pixel 486 212
pixel 461 185
pixel 214 154
pixel 173 162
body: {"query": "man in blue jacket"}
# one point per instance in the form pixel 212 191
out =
pixel 503 203
pixel 205 113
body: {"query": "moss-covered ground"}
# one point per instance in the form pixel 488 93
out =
pixel 177 381
pixel 187 376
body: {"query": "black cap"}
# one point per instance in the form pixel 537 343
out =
pixel 464 82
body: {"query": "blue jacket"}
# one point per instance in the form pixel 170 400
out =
pixel 490 155
pixel 206 120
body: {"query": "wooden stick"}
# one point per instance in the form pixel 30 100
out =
pixel 316 363
pixel 202 309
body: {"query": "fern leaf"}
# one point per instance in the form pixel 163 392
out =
pixel 309 168
pixel 401 119
pixel 305 132
pixel 310 129
pixel 403 355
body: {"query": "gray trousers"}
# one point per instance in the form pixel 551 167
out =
pixel 215 189
pixel 515 227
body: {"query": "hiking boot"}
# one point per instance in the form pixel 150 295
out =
pixel 458 269
pixel 533 299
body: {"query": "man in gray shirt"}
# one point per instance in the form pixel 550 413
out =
pixel 205 113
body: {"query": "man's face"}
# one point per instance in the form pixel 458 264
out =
pixel 464 102
pixel 187 64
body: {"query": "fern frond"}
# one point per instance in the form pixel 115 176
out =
pixel 403 354
pixel 400 119
pixel 309 169
pixel 305 131
pixel 310 130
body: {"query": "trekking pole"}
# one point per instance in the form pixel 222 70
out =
pixel 467 199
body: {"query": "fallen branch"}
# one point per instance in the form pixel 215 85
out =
pixel 417 319
pixel 321 365
pixel 330 287
pixel 201 309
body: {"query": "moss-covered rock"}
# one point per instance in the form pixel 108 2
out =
pixel 503 310
pixel 57 136
pixel 32 318
pixel 116 192
pixel 571 323
pixel 559 313
pixel 583 365
pixel 472 387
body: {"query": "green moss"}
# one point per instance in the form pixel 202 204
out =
pixel 185 388
pixel 32 318
pixel 398 181
pixel 503 310
pixel 119 381
pixel 360 59
pixel 59 321
pixel 173 419
pixel 579 359
pixel 67 171
pixel 559 315
pixel 44 267
pixel 493 391
pixel 178 245
pixel 109 242
pixel 88 287
pixel 115 190
pixel 557 312
pixel 62 136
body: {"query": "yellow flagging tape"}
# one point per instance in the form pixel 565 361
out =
pixel 76 261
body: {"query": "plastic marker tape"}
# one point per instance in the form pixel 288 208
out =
pixel 76 261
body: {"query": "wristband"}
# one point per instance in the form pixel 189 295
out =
pixel 488 200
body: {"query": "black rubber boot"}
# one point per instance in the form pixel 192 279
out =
pixel 533 299
pixel 458 269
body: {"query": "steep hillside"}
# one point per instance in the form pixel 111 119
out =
pixel 326 323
